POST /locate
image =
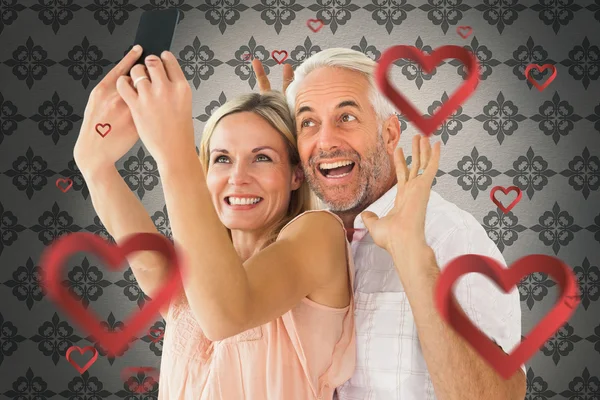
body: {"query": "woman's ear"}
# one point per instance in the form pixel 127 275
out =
pixel 297 177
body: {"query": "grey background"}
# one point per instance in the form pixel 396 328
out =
pixel 566 367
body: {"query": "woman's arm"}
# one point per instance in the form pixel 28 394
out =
pixel 226 296
pixel 123 214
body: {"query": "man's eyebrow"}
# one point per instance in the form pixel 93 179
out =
pixel 345 103
pixel 348 103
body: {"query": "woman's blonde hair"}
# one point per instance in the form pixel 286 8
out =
pixel 272 107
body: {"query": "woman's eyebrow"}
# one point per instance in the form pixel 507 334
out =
pixel 219 150
pixel 261 148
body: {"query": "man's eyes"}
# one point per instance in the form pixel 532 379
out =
pixel 344 118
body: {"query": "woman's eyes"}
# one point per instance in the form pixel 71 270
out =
pixel 260 157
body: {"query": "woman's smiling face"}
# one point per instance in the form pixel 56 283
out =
pixel 249 174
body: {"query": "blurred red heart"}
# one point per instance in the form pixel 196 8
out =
pixel 92 360
pixel 464 31
pixel 315 25
pixel 64 180
pixel 428 62
pixel 540 68
pixel 156 334
pixel 129 375
pixel 506 279
pixel 506 191
pixel 55 255
pixel 279 55
pixel 103 126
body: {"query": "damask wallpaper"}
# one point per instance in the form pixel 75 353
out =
pixel 545 142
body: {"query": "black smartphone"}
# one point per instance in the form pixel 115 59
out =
pixel 156 31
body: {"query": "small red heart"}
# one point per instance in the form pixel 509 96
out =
pixel 505 279
pixel 427 125
pixel 462 29
pixel 63 180
pixel 506 191
pixel 315 25
pixel 102 126
pixel 129 376
pixel 246 56
pixel 156 334
pixel 279 53
pixel 540 68
pixel 55 255
pixel 79 369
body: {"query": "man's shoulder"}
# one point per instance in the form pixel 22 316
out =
pixel 444 218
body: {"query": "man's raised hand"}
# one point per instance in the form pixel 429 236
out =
pixel 263 81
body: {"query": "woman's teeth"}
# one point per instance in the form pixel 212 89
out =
pixel 242 201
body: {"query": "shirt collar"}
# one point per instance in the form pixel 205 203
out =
pixel 381 206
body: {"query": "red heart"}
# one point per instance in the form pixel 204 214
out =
pixel 505 191
pixel 130 373
pixel 505 278
pixel 246 56
pixel 428 62
pixel 102 126
pixel 159 334
pixel 540 68
pixel 79 369
pixel 279 53
pixel 311 22
pixel 58 252
pixel 63 180
pixel 463 28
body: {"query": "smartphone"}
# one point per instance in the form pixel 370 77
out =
pixel 156 31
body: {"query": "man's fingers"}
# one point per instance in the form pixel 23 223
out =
pixel 416 157
pixel 288 76
pixel 434 162
pixel 400 163
pixel 425 152
pixel 125 64
pixel 263 82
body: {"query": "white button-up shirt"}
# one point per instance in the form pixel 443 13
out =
pixel 390 363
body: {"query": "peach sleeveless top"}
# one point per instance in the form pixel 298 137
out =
pixel 304 354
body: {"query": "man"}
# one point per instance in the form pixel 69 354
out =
pixel 347 133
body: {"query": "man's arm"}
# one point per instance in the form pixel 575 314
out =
pixel 457 371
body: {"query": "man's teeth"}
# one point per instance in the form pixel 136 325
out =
pixel 335 164
pixel 242 201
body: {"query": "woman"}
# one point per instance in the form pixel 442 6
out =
pixel 267 311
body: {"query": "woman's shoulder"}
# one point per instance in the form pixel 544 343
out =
pixel 314 221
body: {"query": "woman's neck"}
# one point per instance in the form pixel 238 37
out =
pixel 247 243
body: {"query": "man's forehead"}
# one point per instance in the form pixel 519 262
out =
pixel 331 89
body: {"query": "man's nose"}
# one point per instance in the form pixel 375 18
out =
pixel 329 137
pixel 239 175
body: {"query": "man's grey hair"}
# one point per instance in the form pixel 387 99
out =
pixel 341 58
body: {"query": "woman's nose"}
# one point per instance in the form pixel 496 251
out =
pixel 239 175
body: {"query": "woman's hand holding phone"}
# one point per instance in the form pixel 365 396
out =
pixel 100 145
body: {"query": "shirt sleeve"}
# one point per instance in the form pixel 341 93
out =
pixel 496 313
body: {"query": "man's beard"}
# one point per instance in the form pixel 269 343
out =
pixel 374 167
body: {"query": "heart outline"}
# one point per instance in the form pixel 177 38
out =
pixel 505 279
pixel 460 28
pixel 64 180
pixel 309 24
pixel 279 52
pixel 506 191
pixel 540 68
pixel 92 360
pixel 428 63
pixel 56 254
pixel 103 125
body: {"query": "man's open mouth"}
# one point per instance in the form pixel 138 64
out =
pixel 337 169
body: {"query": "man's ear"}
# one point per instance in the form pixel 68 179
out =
pixel 391 133
pixel 297 177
